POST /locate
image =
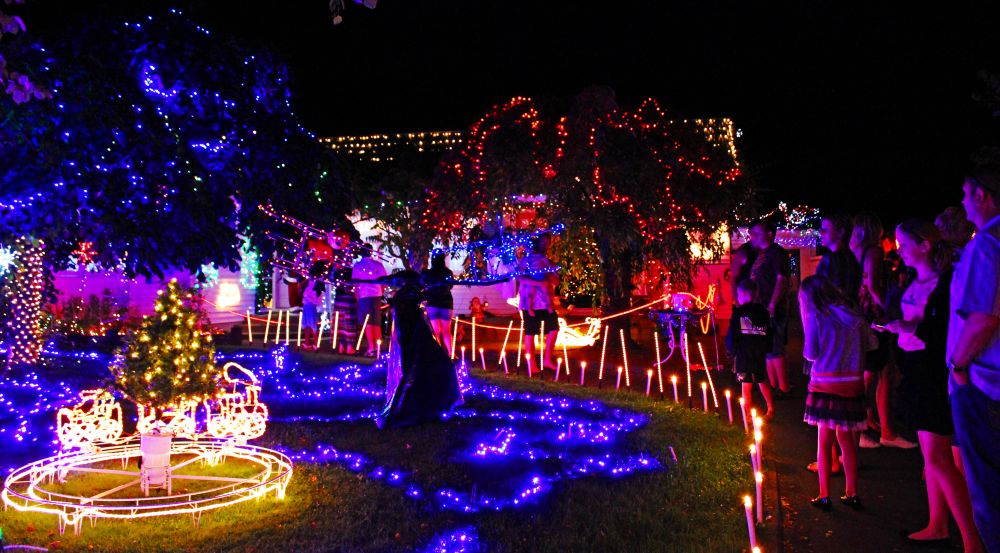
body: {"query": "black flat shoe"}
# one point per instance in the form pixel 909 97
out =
pixel 822 503
pixel 940 542
pixel 851 501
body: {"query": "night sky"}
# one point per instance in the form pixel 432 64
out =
pixel 840 107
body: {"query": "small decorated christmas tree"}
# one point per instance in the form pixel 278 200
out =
pixel 169 361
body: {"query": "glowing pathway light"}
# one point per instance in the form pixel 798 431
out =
pixel 621 334
pixel 708 373
pixel 503 349
pixel 249 328
pixel 687 365
pixel 520 344
pixel 604 347
pixel 659 372
pixel 361 334
pixel 336 329
pixel 323 323
pixel 751 529
pixel 565 359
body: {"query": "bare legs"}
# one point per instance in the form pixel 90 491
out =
pixel 442 332
pixel 765 390
pixel 883 401
pixel 946 493
pixel 373 333
pixel 532 354
pixel 550 347
pixel 825 441
pixel 776 373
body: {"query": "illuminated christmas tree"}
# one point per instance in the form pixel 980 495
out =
pixel 170 360
pixel 24 293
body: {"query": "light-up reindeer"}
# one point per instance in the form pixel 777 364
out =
pixel 573 338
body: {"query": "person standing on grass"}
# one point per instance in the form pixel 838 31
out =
pixel 312 299
pixel 923 394
pixel 369 297
pixel 440 302
pixel 770 272
pixel 973 353
pixel 873 299
pixel 748 340
pixel 536 300
pixel 836 339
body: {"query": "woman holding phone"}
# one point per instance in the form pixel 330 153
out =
pixel 923 394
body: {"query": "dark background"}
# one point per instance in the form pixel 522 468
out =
pixel 840 106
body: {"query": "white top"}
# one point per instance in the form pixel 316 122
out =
pixel 534 294
pixel 367 269
pixel 914 302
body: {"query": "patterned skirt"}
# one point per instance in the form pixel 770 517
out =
pixel 835 412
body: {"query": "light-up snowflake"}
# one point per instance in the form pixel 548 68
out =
pixel 6 260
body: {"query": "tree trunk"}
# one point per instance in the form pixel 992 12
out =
pixel 618 275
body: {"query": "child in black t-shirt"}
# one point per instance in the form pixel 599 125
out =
pixel 748 341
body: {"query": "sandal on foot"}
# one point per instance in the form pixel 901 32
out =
pixel 821 503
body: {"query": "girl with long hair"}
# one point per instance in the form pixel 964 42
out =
pixel 836 340
pixel 923 394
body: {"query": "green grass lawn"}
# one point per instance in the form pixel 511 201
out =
pixel 694 506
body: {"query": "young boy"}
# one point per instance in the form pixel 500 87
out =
pixel 748 340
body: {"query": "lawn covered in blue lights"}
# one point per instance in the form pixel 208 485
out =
pixel 520 466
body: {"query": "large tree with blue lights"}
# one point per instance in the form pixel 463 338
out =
pixel 158 145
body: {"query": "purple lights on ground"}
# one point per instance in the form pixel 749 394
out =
pixel 28 407
pixel 498 446
pixel 542 440
pixel 518 449
pixel 461 540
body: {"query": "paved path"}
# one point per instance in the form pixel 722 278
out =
pixel 890 480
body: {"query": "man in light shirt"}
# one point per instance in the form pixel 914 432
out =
pixel 974 353
pixel 369 297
